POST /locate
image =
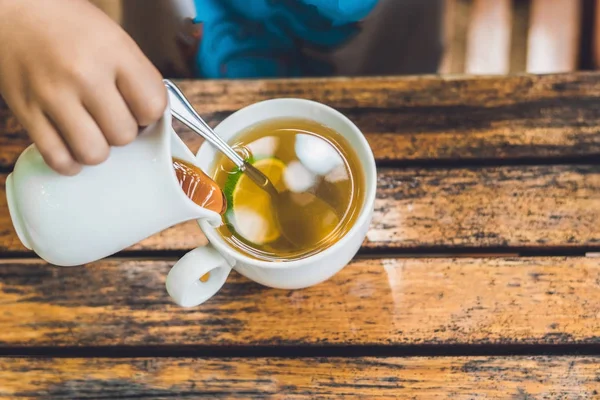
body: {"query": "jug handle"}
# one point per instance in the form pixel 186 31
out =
pixel 184 283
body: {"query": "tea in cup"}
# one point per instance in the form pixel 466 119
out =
pixel 320 183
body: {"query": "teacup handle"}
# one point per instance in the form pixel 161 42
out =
pixel 184 283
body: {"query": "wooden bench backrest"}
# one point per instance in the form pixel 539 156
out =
pixel 507 36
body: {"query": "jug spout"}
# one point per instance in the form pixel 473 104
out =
pixel 199 187
pixel 186 166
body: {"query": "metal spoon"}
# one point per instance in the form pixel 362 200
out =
pixel 306 227
pixel 184 112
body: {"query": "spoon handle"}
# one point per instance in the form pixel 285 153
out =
pixel 184 112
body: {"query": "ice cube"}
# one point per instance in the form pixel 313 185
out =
pixel 316 154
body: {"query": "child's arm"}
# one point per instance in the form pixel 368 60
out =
pixel 75 80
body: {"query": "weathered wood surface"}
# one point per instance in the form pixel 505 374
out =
pixel 390 303
pixel 499 207
pixel 304 378
pixel 370 302
pixel 423 118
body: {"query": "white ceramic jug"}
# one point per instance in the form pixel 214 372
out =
pixel 73 220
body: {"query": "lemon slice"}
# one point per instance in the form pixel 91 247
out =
pixel 250 212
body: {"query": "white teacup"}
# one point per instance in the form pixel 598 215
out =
pixel 218 257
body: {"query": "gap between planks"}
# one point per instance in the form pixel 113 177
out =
pixel 365 254
pixel 298 352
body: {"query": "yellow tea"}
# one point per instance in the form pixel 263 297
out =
pixel 320 180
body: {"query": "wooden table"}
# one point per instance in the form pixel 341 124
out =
pixel 477 278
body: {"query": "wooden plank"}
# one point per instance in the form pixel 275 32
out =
pixel 518 36
pixel 499 207
pixel 554 34
pixel 587 19
pixel 419 118
pixel 488 40
pixel 456 24
pixel 537 206
pixel 596 40
pixel 386 302
pixel 304 378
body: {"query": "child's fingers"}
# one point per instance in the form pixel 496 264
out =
pixel 112 116
pixel 50 145
pixel 83 137
pixel 144 92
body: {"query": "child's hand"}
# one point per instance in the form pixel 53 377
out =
pixel 75 80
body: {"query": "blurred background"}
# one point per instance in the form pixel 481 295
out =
pixel 476 36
